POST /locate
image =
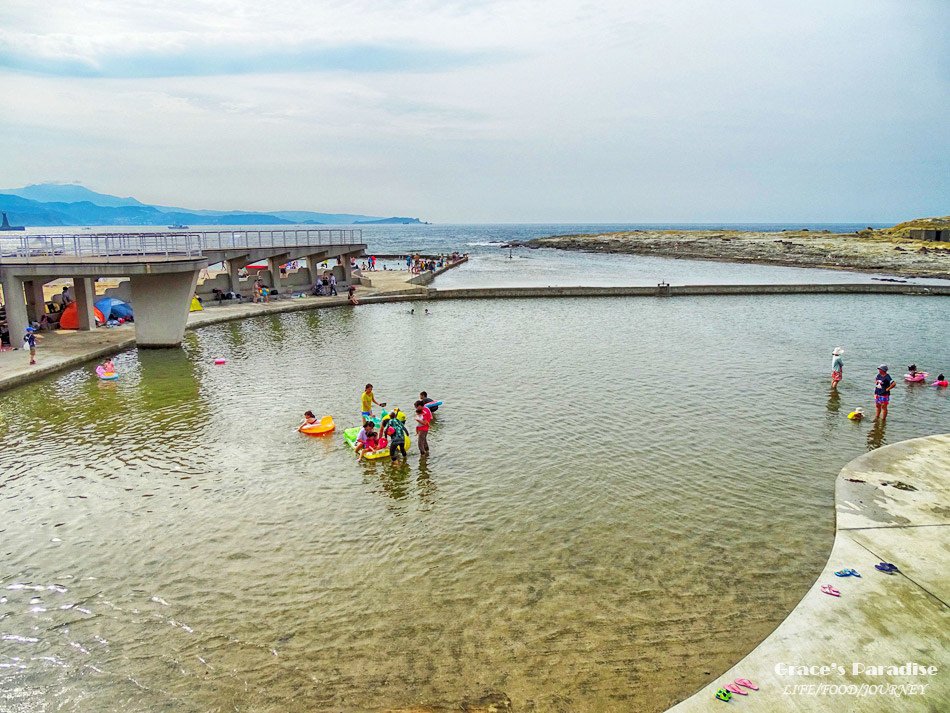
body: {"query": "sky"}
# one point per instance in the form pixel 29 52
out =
pixel 487 110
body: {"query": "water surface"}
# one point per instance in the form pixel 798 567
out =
pixel 624 497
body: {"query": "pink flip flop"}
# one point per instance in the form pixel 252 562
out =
pixel 828 589
pixel 746 683
pixel 732 688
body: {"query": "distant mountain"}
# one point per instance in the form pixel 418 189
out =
pixel 397 221
pixel 69 193
pixel 306 216
pixel 50 204
pixel 22 211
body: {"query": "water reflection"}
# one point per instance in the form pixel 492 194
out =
pixel 832 408
pixel 876 434
pixel 396 479
pixel 834 402
pixel 312 320
pixel 234 335
pixel 425 483
pixel 159 369
pixel 275 326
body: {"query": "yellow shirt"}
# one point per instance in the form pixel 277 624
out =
pixel 367 401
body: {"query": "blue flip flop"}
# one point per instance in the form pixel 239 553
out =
pixel 886 567
pixel 843 573
pixel 852 573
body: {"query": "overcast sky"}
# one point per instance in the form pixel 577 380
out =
pixel 472 110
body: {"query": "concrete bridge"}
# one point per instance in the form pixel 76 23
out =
pixel 162 269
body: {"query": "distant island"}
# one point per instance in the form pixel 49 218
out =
pixel 55 204
pixel 397 221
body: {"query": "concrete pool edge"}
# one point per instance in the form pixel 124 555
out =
pixel 665 290
pixel 879 619
pixel 102 344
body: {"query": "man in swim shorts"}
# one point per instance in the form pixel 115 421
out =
pixel 367 400
pixel 883 383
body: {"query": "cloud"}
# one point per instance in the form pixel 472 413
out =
pixel 192 54
pixel 488 109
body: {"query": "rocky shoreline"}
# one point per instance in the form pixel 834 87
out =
pixel 877 251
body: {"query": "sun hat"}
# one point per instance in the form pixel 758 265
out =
pixel 838 351
pixel 859 409
pixel 882 367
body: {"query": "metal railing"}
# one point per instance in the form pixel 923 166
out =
pixel 69 248
pixel 253 239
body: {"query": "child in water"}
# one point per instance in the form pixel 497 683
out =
pixel 309 419
pixel 857 414
pixel 361 436
pixel 374 442
pixel 370 442
pixel 941 380
pixel 108 366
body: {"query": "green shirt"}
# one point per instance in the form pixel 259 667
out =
pixel 399 430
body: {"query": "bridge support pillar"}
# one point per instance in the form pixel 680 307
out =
pixel 273 264
pixel 161 305
pixel 347 268
pixel 233 267
pixel 35 299
pixel 85 294
pixel 13 300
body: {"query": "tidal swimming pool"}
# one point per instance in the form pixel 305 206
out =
pixel 624 497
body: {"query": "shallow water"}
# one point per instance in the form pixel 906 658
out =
pixel 524 267
pixel 624 497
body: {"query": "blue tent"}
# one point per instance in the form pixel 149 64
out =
pixel 112 308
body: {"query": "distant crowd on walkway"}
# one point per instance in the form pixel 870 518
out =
pixel 414 263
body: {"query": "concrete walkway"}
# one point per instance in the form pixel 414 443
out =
pixel 892 505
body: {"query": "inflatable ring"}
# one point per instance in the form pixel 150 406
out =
pixel 326 425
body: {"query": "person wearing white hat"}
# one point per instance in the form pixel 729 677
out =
pixel 837 367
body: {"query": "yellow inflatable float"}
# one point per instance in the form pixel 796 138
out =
pixel 326 425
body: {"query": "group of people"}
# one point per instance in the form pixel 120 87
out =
pixel 883 385
pixel 392 431
pixel 325 285
pixel 261 291
pixel 417 263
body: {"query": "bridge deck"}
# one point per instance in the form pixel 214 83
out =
pixel 110 247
